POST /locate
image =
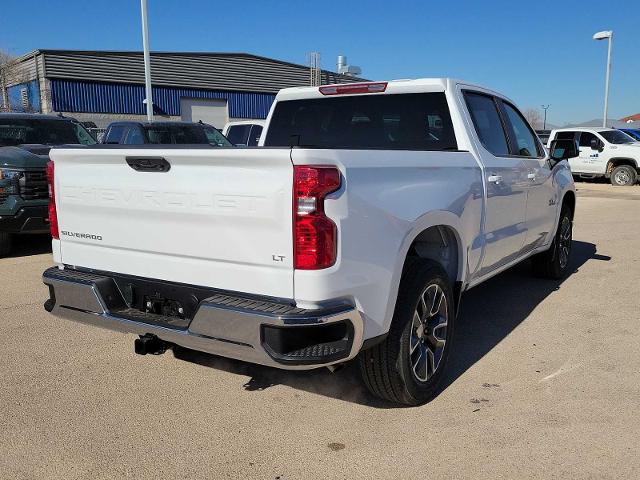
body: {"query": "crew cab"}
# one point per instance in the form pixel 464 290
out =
pixel 25 141
pixel 604 152
pixel 353 233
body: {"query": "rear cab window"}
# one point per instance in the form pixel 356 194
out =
pixel 410 121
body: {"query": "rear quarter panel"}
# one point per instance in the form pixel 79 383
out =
pixel 386 200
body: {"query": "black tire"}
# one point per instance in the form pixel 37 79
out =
pixel 623 175
pixel 387 368
pixel 5 244
pixel 554 262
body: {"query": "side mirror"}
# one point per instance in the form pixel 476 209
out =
pixel 563 149
pixel 595 144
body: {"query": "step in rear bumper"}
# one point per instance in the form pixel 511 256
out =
pixel 242 327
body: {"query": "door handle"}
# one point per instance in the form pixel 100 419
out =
pixel 494 179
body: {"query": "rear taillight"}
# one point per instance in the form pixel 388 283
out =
pixel 53 215
pixel 314 234
pixel 351 88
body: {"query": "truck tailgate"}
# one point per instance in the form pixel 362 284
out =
pixel 218 217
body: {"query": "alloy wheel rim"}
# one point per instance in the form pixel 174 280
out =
pixel 428 333
pixel 565 241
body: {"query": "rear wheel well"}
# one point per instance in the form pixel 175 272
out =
pixel 616 162
pixel 440 244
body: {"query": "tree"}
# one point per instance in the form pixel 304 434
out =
pixel 533 117
pixel 5 73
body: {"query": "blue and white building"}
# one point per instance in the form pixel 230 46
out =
pixel 104 86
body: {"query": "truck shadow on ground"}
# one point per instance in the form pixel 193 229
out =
pixel 490 312
pixel 27 245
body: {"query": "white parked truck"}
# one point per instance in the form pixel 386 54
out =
pixel 352 231
pixel 604 152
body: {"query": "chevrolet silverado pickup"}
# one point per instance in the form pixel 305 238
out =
pixel 351 231
pixel 603 152
pixel 25 141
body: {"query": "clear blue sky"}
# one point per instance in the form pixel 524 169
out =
pixel 535 52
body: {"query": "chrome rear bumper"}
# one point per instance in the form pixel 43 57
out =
pixel 246 328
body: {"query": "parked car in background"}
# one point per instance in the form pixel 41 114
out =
pixel 604 152
pixel 355 233
pixel 632 132
pixel 244 133
pixel 25 141
pixel 164 133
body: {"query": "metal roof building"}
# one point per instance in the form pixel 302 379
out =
pixel 103 86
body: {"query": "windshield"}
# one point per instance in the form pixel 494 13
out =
pixel 15 131
pixel 175 134
pixel 215 137
pixel 616 137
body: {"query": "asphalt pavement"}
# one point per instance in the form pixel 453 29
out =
pixel 544 383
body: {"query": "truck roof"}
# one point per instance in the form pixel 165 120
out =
pixel 418 85
pixel 584 129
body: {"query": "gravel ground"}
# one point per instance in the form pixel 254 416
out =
pixel 545 383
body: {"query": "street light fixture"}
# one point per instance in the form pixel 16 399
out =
pixel 545 108
pixel 606 35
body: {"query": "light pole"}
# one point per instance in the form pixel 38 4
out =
pixel 544 124
pixel 148 101
pixel 606 34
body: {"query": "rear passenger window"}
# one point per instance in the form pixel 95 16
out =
pixel 525 140
pixel 486 120
pixel 585 139
pixel 412 121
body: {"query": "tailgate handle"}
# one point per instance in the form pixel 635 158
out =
pixel 149 164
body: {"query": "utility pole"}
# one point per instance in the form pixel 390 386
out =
pixel 148 101
pixel 544 124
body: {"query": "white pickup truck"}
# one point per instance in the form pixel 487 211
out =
pixel 603 152
pixel 351 231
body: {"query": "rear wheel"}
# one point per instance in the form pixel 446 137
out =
pixel 407 367
pixel 5 244
pixel 554 262
pixel 623 175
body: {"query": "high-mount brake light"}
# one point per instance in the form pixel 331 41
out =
pixel 314 234
pixel 350 88
pixel 53 214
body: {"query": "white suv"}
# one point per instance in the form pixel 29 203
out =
pixel 603 152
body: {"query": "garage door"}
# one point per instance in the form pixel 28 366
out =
pixel 213 112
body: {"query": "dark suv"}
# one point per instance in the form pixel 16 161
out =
pixel 164 133
pixel 25 141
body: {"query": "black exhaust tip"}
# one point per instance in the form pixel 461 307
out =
pixel 149 344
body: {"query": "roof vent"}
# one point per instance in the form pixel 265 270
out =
pixel 348 70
